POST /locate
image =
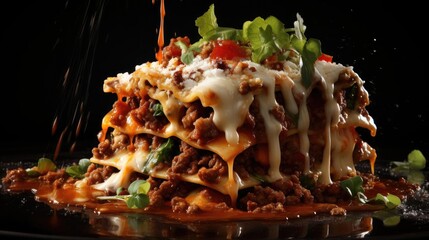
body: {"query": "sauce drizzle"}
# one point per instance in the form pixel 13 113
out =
pixel 161 32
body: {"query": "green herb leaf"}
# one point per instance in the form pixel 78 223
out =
pixel 119 190
pixel 207 22
pixel 138 190
pixel 310 54
pixel 411 169
pixel 417 160
pixel 138 201
pixel 78 171
pixel 352 185
pixel 157 109
pixel 266 37
pixel 44 165
pixel 32 173
pixel 139 187
pixel 137 198
pixel 389 217
pixel 162 154
pixel 390 201
pixel 188 52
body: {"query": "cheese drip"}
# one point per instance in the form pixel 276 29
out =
pixel 267 103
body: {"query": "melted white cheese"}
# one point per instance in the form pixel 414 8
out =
pixel 218 89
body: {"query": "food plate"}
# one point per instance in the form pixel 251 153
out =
pixel 29 218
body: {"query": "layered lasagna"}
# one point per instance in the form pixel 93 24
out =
pixel 209 117
pixel 251 120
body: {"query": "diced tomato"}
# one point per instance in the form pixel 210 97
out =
pixel 325 57
pixel 228 50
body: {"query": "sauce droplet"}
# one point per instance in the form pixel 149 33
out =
pixel 161 32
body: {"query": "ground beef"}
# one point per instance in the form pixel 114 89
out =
pixel 269 208
pixel 245 164
pixel 103 150
pixel 261 196
pixel 52 176
pixel 145 114
pixel 213 168
pixel 119 141
pixel 204 131
pixel 96 174
pixel 163 191
pixel 292 189
pixel 15 175
pixel 331 193
pixel 206 49
pixel 172 50
pixel 186 161
pixel 199 120
pixel 179 204
pixel 209 166
pixel 55 178
pixel 273 198
pixel 178 79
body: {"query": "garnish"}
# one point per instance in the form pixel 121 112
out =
pixel 162 154
pixel 157 109
pixel 415 161
pixel 78 170
pixel 266 37
pixel 325 57
pixel 137 197
pixel 353 186
pixel 390 201
pixel 390 218
pixel 44 165
pixel 411 168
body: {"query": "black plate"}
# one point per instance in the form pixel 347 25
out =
pixel 27 218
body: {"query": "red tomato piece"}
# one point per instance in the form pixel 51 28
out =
pixel 325 57
pixel 228 50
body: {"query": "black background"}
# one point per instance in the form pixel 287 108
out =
pixel 91 40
